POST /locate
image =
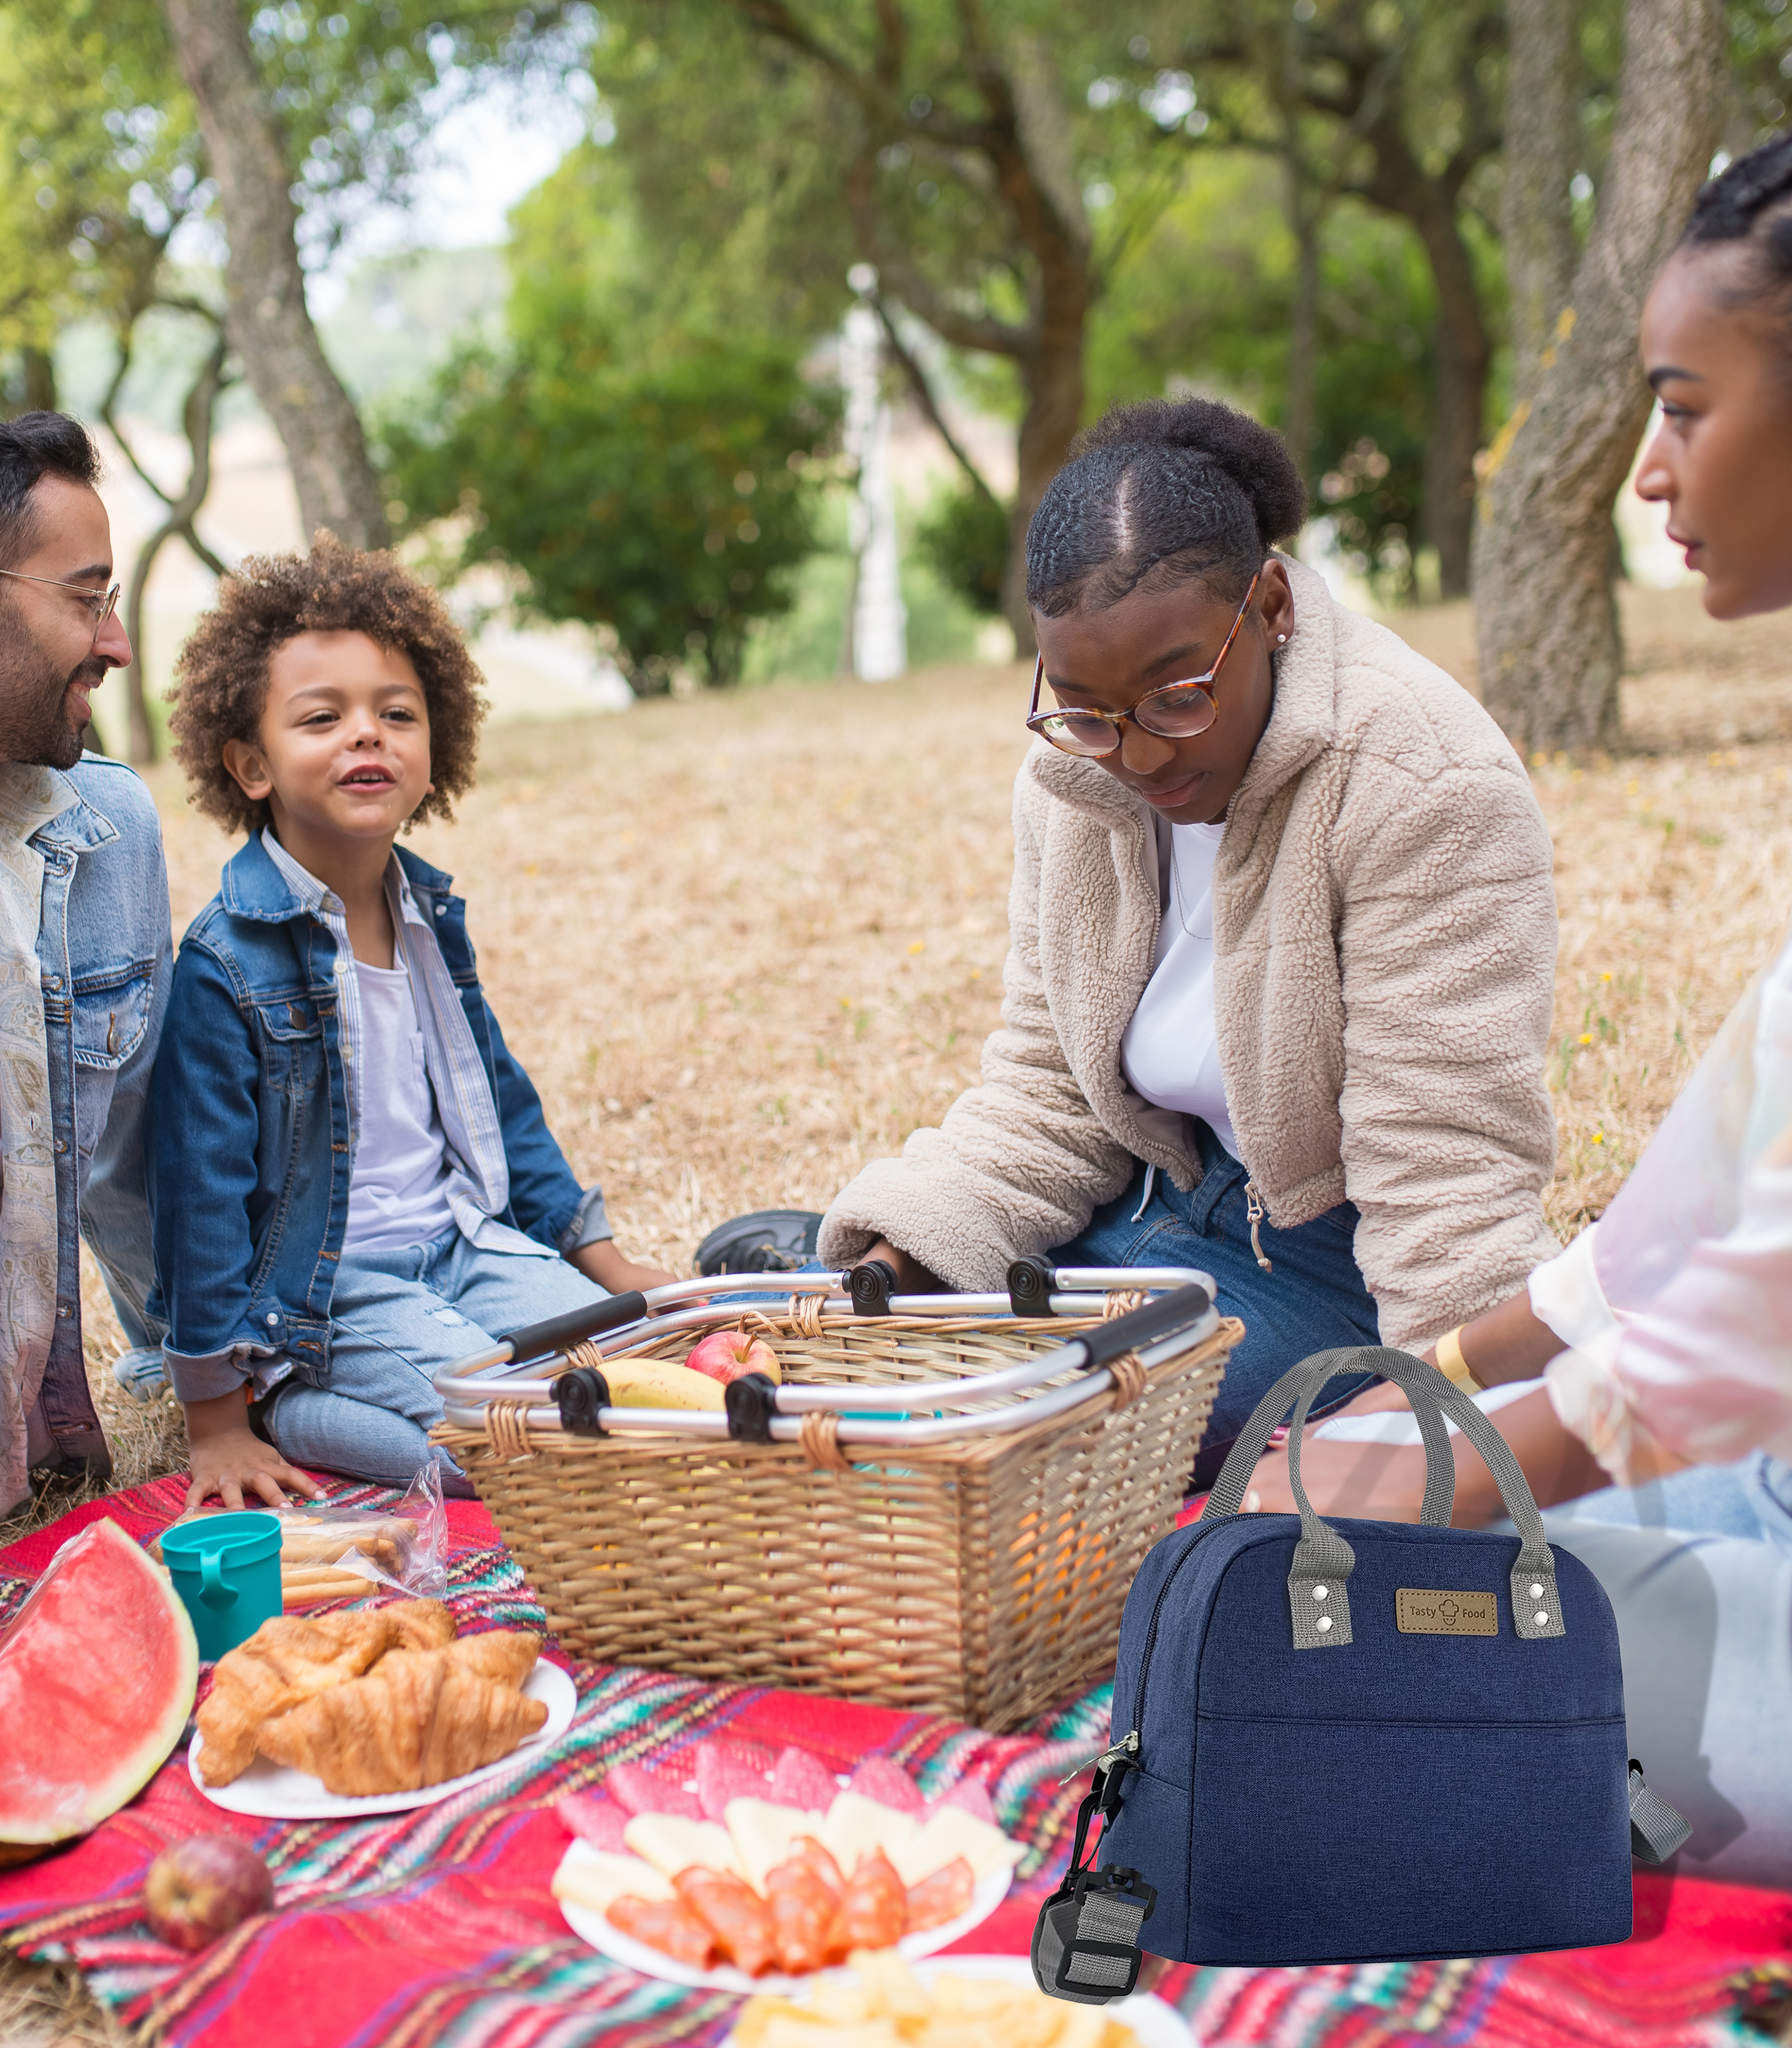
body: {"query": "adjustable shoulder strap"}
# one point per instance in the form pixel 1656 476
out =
pixel 1085 1942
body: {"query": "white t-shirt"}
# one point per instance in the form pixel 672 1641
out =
pixel 398 1194
pixel 1170 1052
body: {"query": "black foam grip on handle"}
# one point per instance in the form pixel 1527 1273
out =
pixel 537 1339
pixel 1138 1326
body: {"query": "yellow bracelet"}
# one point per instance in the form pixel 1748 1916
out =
pixel 1451 1362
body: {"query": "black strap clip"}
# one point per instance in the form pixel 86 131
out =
pixel 1029 1286
pixel 872 1283
pixel 751 1402
pixel 578 1395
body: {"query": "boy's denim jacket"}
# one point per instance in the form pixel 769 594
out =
pixel 249 1147
pixel 104 953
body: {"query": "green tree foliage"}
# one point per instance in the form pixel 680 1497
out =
pixel 1206 302
pixel 954 147
pixel 358 85
pixel 963 537
pixel 668 502
pixel 100 157
pixel 638 470
pixel 99 162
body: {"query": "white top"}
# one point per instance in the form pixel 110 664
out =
pixel 398 1191
pixel 1170 1052
pixel 1677 1305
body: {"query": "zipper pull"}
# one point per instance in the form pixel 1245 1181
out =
pixel 1128 1748
pixel 1255 1213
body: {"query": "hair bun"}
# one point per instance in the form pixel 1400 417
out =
pixel 1254 456
pixel 1727 206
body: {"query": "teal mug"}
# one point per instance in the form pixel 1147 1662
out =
pixel 226 1568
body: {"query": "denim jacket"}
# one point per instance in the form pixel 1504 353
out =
pixel 105 950
pixel 251 1145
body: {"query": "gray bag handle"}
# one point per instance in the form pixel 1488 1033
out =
pixel 1318 1583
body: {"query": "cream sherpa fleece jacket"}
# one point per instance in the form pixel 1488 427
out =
pixel 1385 941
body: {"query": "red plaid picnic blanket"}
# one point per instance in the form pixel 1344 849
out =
pixel 437 1926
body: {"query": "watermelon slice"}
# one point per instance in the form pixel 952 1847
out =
pixel 729 1771
pixel 97 1677
pixel 637 1790
pixel 799 1779
pixel 972 1796
pixel 888 1783
pixel 597 1820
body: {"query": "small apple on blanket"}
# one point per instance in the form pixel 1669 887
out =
pixel 768 1864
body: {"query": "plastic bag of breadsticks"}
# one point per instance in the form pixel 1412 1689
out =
pixel 398 1549
pixel 330 1552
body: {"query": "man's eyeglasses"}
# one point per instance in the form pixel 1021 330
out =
pixel 102 603
pixel 1177 711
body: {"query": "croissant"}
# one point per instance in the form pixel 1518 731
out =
pixel 417 1720
pixel 421 1624
pixel 287 1661
pixel 506 1656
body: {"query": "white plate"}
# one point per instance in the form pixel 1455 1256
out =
pixel 273 1793
pixel 1152 2023
pixel 621 1948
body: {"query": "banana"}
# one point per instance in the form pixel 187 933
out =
pixel 656 1382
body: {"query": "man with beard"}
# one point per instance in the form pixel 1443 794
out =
pixel 84 958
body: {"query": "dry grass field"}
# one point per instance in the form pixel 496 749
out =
pixel 745 944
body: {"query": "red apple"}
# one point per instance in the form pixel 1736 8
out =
pixel 200 1888
pixel 726 1355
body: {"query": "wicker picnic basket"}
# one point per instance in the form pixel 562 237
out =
pixel 973 1562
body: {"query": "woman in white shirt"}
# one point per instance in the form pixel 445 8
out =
pixel 1663 1334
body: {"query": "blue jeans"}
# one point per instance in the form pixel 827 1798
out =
pixel 1698 1569
pixel 396 1319
pixel 1314 1299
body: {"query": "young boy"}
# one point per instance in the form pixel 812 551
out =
pixel 352 1180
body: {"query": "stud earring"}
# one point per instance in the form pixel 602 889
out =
pixel 1281 639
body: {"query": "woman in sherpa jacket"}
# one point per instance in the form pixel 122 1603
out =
pixel 1283 939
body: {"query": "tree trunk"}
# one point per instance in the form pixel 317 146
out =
pixel 1053 380
pixel 1542 146
pixel 269 323
pixel 1550 655
pixel 1302 427
pixel 199 416
pixel 140 748
pixel 39 366
pixel 1464 356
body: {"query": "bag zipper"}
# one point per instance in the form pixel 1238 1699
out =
pixel 1128 1748
pixel 1151 1636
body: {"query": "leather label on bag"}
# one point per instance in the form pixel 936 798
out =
pixel 1421 1612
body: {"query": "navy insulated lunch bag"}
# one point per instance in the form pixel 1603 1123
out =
pixel 1357 1741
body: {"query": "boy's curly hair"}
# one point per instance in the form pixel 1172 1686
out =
pixel 222 674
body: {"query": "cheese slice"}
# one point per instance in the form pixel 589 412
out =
pixel 951 1832
pixel 672 1844
pixel 764 1834
pixel 855 1826
pixel 597 1878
